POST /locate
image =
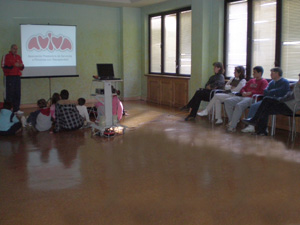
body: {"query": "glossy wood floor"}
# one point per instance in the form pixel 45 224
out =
pixel 163 170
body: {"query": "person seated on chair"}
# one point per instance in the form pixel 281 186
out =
pixel 272 106
pixel 40 119
pixel 234 85
pixel 235 106
pixel 277 87
pixel 9 123
pixel 216 81
pixel 66 114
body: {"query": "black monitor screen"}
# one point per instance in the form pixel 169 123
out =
pixel 105 70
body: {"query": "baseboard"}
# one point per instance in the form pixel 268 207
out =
pixel 132 98
pixel 89 102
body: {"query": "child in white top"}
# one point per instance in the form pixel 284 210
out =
pixel 83 110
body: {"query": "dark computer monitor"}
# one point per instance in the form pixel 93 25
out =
pixel 105 70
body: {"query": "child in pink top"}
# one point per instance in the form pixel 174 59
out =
pixel 55 98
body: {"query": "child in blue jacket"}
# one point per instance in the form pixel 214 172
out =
pixel 9 123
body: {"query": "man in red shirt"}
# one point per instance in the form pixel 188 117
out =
pixel 235 106
pixel 12 66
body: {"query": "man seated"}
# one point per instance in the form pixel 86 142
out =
pixel 236 105
pixel 272 106
pixel 277 87
pixel 66 114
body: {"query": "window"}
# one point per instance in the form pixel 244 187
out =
pixel 237 36
pixel 170 42
pixel 251 34
pixel 291 39
pixel 263 32
pixel 155 44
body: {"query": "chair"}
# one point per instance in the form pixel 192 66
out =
pixel 292 125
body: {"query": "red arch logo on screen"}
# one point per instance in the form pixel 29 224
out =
pixel 49 42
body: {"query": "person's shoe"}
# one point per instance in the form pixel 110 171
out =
pixel 219 121
pixel 261 133
pixel 249 129
pixel 23 121
pixel 185 108
pixel 231 130
pixel 249 121
pixel 203 113
pixel 189 117
pixel 19 112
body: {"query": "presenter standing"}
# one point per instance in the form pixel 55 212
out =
pixel 12 66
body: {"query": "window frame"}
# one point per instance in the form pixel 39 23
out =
pixel 163 15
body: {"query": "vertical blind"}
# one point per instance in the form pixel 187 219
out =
pixel 236 36
pixel 155 24
pixel 264 34
pixel 170 43
pixel 185 57
pixel 291 39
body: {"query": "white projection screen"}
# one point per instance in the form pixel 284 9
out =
pixel 48 51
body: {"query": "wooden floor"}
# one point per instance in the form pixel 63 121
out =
pixel 163 170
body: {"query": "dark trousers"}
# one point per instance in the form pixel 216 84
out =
pixel 32 117
pixel 200 95
pixel 269 106
pixel 12 130
pixel 13 91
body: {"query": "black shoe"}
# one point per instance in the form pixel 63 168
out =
pixel 249 121
pixel 185 108
pixel 189 117
pixel 261 133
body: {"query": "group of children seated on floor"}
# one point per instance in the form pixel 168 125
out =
pixel 262 97
pixel 61 114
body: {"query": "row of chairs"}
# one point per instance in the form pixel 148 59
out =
pixel 256 98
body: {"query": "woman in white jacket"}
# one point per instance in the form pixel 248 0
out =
pixel 233 86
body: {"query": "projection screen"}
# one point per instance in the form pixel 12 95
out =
pixel 48 51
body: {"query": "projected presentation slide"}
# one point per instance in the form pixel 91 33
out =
pixel 48 50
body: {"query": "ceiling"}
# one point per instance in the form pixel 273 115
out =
pixel 110 3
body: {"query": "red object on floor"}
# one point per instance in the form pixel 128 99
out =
pixel 109 133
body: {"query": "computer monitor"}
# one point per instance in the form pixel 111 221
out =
pixel 105 70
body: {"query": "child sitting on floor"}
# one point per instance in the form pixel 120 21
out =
pixel 9 123
pixel 117 110
pixel 54 99
pixel 82 109
pixel 40 119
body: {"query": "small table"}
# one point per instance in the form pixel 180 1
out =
pixel 108 96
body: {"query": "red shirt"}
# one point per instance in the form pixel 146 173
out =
pixel 8 65
pixel 255 86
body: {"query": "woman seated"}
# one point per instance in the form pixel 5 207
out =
pixel 233 86
pixel 216 81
